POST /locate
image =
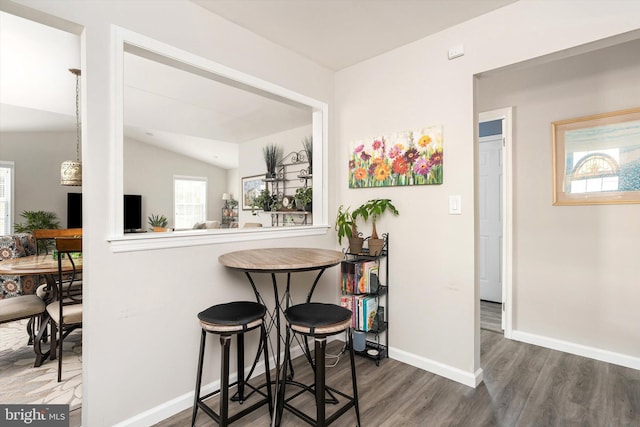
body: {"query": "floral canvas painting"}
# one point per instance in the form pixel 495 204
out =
pixel 403 158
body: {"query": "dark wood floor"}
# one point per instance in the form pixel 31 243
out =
pixel 524 385
pixel 491 316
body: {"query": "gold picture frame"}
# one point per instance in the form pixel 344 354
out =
pixel 252 186
pixel 596 159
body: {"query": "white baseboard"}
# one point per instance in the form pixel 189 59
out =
pixel 578 349
pixel 458 375
pixel 180 403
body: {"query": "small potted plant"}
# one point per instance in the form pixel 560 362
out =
pixel 38 220
pixel 303 198
pixel 265 201
pixel 272 156
pixel 346 227
pixel 158 222
pixel 374 208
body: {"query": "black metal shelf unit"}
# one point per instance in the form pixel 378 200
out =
pixel 377 339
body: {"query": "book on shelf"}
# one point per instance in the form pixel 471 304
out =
pixel 359 276
pixel 364 309
pixel 348 269
pixel 347 301
pixel 370 310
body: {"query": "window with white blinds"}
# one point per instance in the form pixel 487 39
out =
pixel 6 197
pixel 190 201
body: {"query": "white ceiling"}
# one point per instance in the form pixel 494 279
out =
pixel 194 115
pixel 340 33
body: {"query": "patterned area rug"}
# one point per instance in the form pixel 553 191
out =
pixel 20 382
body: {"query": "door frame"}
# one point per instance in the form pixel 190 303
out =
pixel 506 114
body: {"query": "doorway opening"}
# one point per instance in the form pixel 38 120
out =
pixel 494 220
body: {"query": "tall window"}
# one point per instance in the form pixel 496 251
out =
pixel 6 197
pixel 189 201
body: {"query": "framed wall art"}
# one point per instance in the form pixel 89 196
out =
pixel 411 157
pixel 596 159
pixel 251 188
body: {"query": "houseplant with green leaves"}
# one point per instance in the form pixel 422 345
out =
pixel 303 198
pixel 346 227
pixel 265 201
pixel 38 220
pixel 158 222
pixel 374 208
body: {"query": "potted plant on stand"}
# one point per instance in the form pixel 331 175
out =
pixel 158 223
pixel 374 208
pixel 265 201
pixel 303 199
pixel 346 227
pixel 272 156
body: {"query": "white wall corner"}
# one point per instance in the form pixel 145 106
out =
pixel 578 349
pixel 469 379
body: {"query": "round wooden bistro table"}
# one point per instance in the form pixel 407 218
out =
pixel 274 261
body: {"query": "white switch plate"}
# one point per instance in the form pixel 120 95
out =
pixel 456 51
pixel 455 205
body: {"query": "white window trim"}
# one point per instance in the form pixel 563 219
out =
pixel 120 242
pixel 12 200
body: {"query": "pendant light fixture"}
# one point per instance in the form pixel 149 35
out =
pixel 71 171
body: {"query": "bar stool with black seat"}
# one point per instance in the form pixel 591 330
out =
pixel 234 318
pixel 318 321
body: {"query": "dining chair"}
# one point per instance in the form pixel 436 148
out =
pixel 45 239
pixel 66 312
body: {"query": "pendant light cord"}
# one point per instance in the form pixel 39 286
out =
pixel 78 129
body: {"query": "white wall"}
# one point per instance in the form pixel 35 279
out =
pixel 140 331
pixel 143 303
pixel 149 171
pixel 37 157
pixel 432 258
pixel 576 270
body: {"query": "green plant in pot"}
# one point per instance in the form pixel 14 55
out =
pixel 272 156
pixel 374 208
pixel 38 220
pixel 346 227
pixel 265 201
pixel 303 199
pixel 158 222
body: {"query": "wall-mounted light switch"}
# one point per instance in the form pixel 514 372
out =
pixel 455 205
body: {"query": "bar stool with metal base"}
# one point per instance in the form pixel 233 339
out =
pixel 318 321
pixel 226 320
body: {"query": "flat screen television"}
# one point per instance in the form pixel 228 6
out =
pixel 132 213
pixel 74 210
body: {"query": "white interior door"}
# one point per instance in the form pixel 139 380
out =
pixel 490 203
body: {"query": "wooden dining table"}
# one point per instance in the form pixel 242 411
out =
pixel 274 261
pixel 47 266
